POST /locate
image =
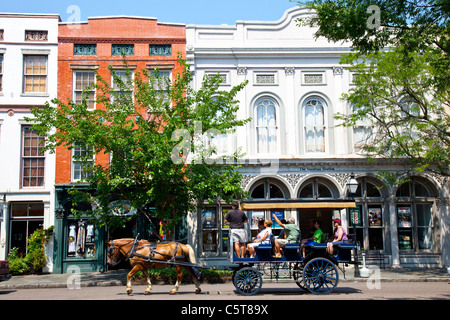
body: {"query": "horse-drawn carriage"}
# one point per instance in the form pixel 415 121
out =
pixel 317 272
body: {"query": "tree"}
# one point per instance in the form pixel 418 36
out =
pixel 148 127
pixel 401 62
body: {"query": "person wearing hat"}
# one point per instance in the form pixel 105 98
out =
pixel 237 218
pixel 292 234
pixel 340 236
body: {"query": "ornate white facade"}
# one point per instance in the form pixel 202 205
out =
pixel 296 150
pixel 29 54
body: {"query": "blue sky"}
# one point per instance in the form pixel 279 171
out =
pixel 180 11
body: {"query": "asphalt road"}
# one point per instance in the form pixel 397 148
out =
pixel 269 292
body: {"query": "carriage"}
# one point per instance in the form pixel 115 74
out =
pixel 317 272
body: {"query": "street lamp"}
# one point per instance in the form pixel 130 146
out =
pixel 352 185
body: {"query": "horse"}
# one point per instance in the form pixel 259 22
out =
pixel 140 252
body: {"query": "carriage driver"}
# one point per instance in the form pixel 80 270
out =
pixel 237 218
pixel 292 234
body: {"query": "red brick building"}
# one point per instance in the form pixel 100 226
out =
pixel 92 46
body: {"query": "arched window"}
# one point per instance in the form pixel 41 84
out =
pixel 314 124
pixel 415 218
pixel 267 189
pixel 316 189
pixel 266 125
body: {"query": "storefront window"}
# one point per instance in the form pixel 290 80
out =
pixel 214 240
pixel 80 239
pixel 414 216
pixel 369 215
pixel 25 218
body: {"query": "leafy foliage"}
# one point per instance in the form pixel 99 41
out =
pixel 402 79
pixel 153 130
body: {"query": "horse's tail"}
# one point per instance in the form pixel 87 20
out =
pixel 191 254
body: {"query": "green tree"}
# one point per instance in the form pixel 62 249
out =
pixel 401 61
pixel 154 131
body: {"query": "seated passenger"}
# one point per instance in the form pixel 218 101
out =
pixel 292 234
pixel 339 236
pixel 316 238
pixel 264 236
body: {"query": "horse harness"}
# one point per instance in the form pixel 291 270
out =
pixel 133 255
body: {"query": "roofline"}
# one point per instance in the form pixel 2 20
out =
pixel 123 17
pixel 29 15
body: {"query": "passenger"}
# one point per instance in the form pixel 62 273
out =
pixel 292 235
pixel 340 236
pixel 264 237
pixel 282 232
pixel 317 237
pixel 237 218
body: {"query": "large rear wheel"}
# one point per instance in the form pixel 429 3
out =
pixel 320 276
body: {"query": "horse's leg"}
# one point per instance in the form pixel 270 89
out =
pixel 179 271
pixel 149 283
pixel 135 269
pixel 194 278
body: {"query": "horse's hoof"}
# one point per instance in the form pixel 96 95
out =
pixel 129 292
pixel 147 293
pixel 197 291
pixel 173 292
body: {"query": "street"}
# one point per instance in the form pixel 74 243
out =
pixel 269 292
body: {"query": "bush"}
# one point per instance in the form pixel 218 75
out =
pixel 35 260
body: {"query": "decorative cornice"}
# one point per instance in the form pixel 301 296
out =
pixel 122 40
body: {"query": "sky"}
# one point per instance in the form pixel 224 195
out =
pixel 175 11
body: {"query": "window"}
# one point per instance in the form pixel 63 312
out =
pixel 82 158
pixel 123 88
pixel 35 74
pixel 1 72
pixel 316 189
pixel 160 50
pixel 225 76
pixel 33 159
pixel 314 126
pixel 83 90
pixel 214 234
pixel 25 218
pixel 265 78
pixel 84 49
pixel 362 132
pixel 415 218
pixel 266 125
pixel 368 215
pixel 118 49
pixel 313 78
pixel 36 35
pixel 267 189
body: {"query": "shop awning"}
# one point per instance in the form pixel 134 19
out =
pixel 298 204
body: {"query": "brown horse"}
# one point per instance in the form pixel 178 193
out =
pixel 139 252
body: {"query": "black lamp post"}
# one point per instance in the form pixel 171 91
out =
pixel 352 185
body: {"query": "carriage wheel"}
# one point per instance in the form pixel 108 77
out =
pixel 297 273
pixel 247 281
pixel 320 276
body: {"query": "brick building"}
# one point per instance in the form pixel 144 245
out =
pixel 83 49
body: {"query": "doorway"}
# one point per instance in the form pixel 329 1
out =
pixel 305 216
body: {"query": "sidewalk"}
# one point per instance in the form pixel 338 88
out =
pixel 118 278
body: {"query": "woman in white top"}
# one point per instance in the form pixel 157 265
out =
pixel 264 236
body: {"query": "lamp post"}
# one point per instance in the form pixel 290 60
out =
pixel 352 185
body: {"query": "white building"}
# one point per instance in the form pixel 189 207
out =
pixel 28 78
pixel 295 149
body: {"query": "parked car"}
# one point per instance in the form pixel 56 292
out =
pixel 4 270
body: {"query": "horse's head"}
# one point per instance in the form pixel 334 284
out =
pixel 113 253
